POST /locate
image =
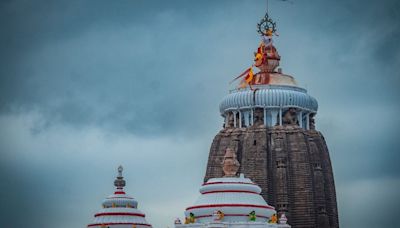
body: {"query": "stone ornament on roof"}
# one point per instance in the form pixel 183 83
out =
pixel 230 163
pixel 283 219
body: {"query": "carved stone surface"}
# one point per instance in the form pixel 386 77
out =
pixel 230 164
pixel 290 117
pixel 290 164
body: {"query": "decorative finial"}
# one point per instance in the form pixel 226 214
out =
pixel 266 58
pixel 266 27
pixel 230 163
pixel 119 182
pixel 120 169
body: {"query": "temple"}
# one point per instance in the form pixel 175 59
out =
pixel 269 123
pixel 267 151
pixel 119 209
pixel 231 201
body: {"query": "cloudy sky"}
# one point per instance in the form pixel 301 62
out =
pixel 88 85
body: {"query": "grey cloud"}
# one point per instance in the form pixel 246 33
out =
pixel 156 70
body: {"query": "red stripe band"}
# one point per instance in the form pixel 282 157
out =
pixel 120 197
pixel 230 205
pixel 118 223
pixel 205 216
pixel 120 192
pixel 228 183
pixel 235 191
pixel 119 213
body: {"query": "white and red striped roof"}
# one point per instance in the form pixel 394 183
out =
pixel 236 197
pixel 119 210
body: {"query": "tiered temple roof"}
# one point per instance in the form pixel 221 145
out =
pixel 230 201
pixel 119 209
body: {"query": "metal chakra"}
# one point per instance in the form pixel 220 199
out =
pixel 267 26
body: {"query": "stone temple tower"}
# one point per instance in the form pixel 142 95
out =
pixel 269 123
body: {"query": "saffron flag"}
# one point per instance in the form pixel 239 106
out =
pixel 259 56
pixel 247 80
pixel 242 74
pixel 249 76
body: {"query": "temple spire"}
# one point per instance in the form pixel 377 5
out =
pixel 119 181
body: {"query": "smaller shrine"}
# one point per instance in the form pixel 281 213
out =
pixel 231 201
pixel 119 209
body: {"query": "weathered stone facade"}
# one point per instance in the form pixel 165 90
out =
pixel 290 164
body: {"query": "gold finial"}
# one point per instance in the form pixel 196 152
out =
pixel 230 163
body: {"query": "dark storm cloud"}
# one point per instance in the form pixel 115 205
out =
pixel 92 63
pixel 154 70
pixel 78 61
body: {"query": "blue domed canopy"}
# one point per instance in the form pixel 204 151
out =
pixel 269 96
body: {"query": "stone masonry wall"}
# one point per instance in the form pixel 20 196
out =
pixel 290 164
